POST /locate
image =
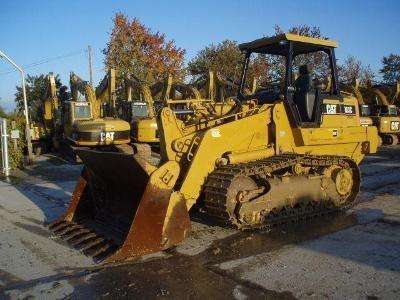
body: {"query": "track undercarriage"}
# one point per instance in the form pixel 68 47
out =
pixel 281 189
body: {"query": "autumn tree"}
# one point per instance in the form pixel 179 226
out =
pixel 391 68
pixel 353 69
pixel 36 94
pixel 134 49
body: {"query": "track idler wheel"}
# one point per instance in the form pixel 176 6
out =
pixel 347 181
pixel 344 182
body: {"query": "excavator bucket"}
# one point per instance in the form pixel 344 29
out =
pixel 123 207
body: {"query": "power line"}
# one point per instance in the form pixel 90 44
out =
pixel 45 60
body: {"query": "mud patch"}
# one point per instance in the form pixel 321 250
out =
pixel 198 276
pixel 248 243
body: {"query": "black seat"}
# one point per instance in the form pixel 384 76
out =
pixel 304 95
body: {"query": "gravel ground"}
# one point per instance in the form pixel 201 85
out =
pixel 352 256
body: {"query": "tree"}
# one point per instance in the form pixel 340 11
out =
pixel 133 49
pixel 36 93
pixel 304 30
pixel 3 114
pixel 226 59
pixel 391 68
pixel 353 69
pixel 319 61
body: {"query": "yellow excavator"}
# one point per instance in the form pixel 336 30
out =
pixel 204 99
pixel 364 108
pixel 391 92
pixel 383 114
pixel 84 125
pixel 293 156
pixel 191 103
pixel 143 113
pixel 106 95
pixel 77 123
pixel 42 132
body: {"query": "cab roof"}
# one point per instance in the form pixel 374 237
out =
pixel 275 44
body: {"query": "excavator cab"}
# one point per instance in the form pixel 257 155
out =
pixel 80 111
pixel 139 109
pixel 141 114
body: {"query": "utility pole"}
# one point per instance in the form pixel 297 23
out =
pixel 90 65
pixel 27 127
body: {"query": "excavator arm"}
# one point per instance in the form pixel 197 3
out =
pixel 51 103
pixel 106 92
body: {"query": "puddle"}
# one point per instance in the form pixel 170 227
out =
pixel 177 277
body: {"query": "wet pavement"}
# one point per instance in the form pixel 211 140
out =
pixel 352 255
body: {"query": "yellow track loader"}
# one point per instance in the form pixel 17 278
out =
pixel 294 156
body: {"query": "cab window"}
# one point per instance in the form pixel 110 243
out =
pixel 82 112
pixel 139 110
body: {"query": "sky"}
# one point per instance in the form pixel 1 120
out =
pixel 52 36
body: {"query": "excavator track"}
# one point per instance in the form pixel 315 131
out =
pixel 219 183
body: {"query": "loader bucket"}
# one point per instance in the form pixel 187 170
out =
pixel 123 208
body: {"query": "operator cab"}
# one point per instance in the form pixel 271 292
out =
pixel 82 111
pixel 76 110
pixel 304 64
pixel 139 109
